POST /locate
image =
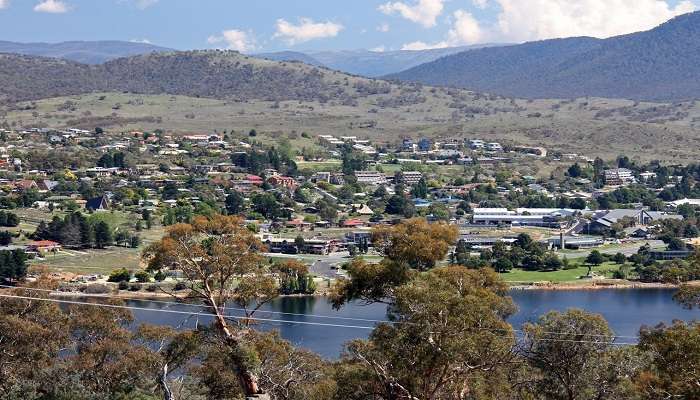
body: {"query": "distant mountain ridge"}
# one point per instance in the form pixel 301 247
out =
pixel 290 56
pixel 660 64
pixel 86 52
pixel 367 62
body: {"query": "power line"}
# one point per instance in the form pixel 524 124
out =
pixel 610 337
pixel 197 305
pixel 238 317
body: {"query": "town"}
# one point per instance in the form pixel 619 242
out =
pixel 84 202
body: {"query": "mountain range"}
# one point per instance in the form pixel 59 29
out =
pixel 370 63
pixel 86 52
pixel 660 64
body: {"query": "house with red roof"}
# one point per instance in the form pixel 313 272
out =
pixel 43 246
pixel 282 181
pixel 353 223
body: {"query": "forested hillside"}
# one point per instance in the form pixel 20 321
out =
pixel 661 64
pixel 212 74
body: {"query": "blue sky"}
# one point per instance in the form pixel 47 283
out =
pixel 271 25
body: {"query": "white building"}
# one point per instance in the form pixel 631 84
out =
pixel 619 176
pixel 370 177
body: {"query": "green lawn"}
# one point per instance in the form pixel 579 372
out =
pixel 570 275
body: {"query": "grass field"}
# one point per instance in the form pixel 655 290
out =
pixel 564 125
pixel 561 276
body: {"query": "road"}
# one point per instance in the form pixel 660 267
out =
pixel 322 266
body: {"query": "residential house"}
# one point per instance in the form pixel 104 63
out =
pixel 411 177
pixel 282 181
pixel 370 177
pixel 619 177
pixel 97 204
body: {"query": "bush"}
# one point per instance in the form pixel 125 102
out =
pixel 142 276
pixel 180 286
pixel 123 285
pixel 159 276
pixel 135 287
pixel 96 288
pixel 119 275
pixel 152 288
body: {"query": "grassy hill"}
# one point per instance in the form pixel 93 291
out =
pixel 212 74
pixel 660 64
pixel 202 91
pixel 593 127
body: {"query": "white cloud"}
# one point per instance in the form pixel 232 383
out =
pixel 527 20
pixel 235 40
pixel 306 30
pixel 522 20
pixel 424 46
pixel 144 41
pixel 424 12
pixel 465 29
pixel 4 4
pixel 142 4
pixel 378 49
pixel 383 27
pixel 52 7
pixel 482 4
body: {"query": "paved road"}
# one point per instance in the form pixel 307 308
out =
pixel 327 266
pixel 322 266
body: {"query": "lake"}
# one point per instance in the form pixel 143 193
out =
pixel 321 329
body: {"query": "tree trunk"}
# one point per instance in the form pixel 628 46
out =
pixel 248 379
pixel 163 381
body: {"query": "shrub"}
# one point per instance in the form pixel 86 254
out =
pixel 142 276
pixel 120 275
pixel 123 285
pixel 180 286
pixel 96 288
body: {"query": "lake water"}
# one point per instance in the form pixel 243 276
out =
pixel 626 310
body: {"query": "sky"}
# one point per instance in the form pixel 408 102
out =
pixel 314 25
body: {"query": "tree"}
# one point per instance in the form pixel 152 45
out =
pixel 575 170
pixel 400 205
pixel 234 203
pixel 103 235
pixel 13 265
pixel 415 242
pixel 221 262
pixel 413 245
pixel 447 340
pixel 503 265
pixel 5 238
pixel 266 204
pixel 573 357
pixel 594 258
pixel 420 189
pixel 300 243
pixel 673 371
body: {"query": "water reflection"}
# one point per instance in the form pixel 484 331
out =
pixel 625 310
